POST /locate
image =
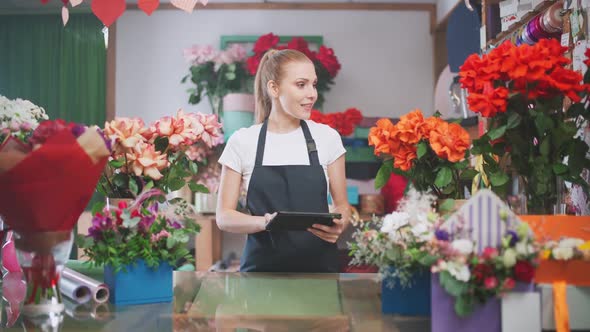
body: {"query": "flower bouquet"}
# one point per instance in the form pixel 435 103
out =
pixel 47 183
pixel 343 122
pixel 325 61
pixel 155 156
pixel 217 73
pixel 524 93
pixel 18 118
pixel 432 153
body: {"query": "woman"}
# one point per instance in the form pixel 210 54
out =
pixel 287 163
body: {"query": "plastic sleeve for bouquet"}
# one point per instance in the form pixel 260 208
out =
pixel 50 187
pixel 98 292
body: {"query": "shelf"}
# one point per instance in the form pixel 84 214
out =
pixel 525 19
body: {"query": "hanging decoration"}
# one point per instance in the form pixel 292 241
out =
pixel 148 6
pixel 108 11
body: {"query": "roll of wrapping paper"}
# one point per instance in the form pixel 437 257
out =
pixel 99 291
pixel 76 292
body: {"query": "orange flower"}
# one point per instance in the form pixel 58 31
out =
pixel 383 137
pixel 145 160
pixel 450 141
pixel 404 156
pixel 126 132
pixel 431 124
pixel 490 102
pixel 410 127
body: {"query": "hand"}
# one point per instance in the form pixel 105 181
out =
pixel 328 233
pixel 268 217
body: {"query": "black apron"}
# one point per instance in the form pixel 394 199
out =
pixel 298 188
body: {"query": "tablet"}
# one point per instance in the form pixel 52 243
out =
pixel 300 221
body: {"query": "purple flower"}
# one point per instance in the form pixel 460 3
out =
pixel 513 237
pixel 146 223
pixel 107 141
pixel 77 130
pixel 100 223
pixel 441 235
pixel 153 209
pixel 175 224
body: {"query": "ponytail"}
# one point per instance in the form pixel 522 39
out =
pixel 270 69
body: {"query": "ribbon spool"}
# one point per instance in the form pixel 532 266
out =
pixel 552 19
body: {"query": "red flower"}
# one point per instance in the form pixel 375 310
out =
pixel 252 64
pixel 524 271
pixel 490 253
pixel 509 283
pixel 491 282
pixel 482 271
pixel 265 43
pixel 353 116
pixel 328 60
pixel 47 129
pixel 299 44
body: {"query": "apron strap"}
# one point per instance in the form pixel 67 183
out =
pixel 312 150
pixel 310 144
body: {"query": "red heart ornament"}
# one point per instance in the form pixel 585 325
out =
pixel 108 11
pixel 148 6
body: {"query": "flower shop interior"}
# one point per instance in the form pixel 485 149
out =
pixel 467 165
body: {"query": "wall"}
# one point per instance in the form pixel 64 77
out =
pixel 386 56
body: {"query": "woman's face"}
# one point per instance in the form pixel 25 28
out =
pixel 297 90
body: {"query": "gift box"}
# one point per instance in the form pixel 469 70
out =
pixel 483 218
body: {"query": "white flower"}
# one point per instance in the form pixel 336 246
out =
pixel 422 232
pixel 563 253
pixel 570 243
pixel 524 249
pixel 509 257
pixel 463 246
pixel 392 222
pixel 459 271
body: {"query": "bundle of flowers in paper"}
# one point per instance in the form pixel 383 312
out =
pixel 485 217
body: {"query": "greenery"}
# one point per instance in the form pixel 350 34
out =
pixel 127 233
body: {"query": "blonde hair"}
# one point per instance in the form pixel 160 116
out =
pixel 271 69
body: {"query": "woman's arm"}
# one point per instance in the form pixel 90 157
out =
pixel 337 176
pixel 228 219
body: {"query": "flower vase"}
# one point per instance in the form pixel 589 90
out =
pixel 238 112
pixel 138 283
pixel 413 300
pixel 42 257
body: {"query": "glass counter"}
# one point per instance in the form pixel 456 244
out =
pixel 240 302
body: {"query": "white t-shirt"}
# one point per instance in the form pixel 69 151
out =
pixel 280 149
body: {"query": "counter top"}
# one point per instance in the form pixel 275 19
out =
pixel 205 301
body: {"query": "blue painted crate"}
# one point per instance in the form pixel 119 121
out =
pixel 410 301
pixel 140 284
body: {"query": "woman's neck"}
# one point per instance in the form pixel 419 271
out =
pixel 281 122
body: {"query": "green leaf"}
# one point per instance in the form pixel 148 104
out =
pixel 193 167
pixel 175 184
pixel 98 207
pixel 468 174
pixel 149 185
pixel 453 286
pixel 198 188
pixel 161 143
pixel 463 306
pixel 383 174
pixel 443 177
pixel 422 149
pixel 133 186
pixel 447 205
pixel 116 163
pixel 498 179
pixel 513 120
pixel 427 260
pixel 545 147
pixel 230 76
pixel 120 180
pixel 497 132
pixel 170 242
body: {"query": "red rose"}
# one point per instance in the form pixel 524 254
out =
pixel 47 129
pixel 524 271
pixel 482 271
pixel 328 60
pixel 509 283
pixel 353 116
pixel 252 64
pixel 490 253
pixel 265 43
pixel 316 116
pixel 491 282
pixel 299 44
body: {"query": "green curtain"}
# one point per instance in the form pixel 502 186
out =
pixel 62 69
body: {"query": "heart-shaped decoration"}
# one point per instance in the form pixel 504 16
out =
pixel 75 2
pixel 108 11
pixel 148 6
pixel 186 5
